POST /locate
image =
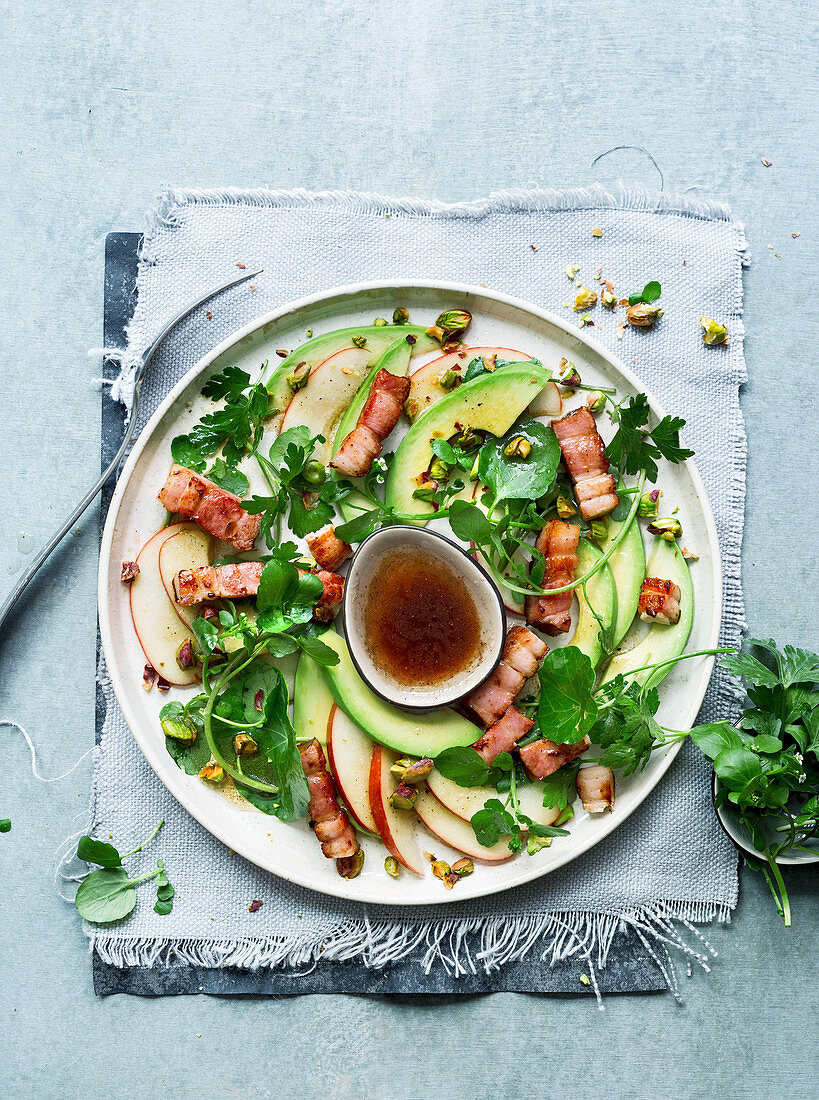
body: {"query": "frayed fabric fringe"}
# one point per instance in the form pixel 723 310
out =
pixel 462 945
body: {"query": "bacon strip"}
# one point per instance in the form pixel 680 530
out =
pixel 503 735
pixel 521 656
pixel 327 819
pixel 558 543
pixel 379 416
pixel 584 456
pixel 543 757
pixel 328 550
pixel 595 785
pixel 215 510
pixel 659 601
pixel 234 582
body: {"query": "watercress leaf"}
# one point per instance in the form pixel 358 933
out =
pixel 186 453
pixel 291 450
pixel 651 291
pixel 743 664
pixel 544 830
pixel 764 743
pixel 463 765
pixel 359 528
pixel 475 368
pixel 567 709
pixel 527 478
pixel 277 584
pixel 206 634
pixel 191 757
pixel 335 489
pixel 491 823
pixel 276 739
pixel 280 645
pixel 469 523
pixel 106 895
pixel 317 650
pixel 97 851
pixel 229 479
pixel 503 762
pixel 229 383
pixel 445 451
pixel 635 299
pixel 811 722
pixel 712 738
pixel 163 906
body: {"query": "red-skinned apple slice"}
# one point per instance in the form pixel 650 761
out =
pixel 330 388
pixel 425 384
pixel 350 753
pixel 397 828
pixel 456 832
pixel 465 802
pixel 512 601
pixel 188 548
pixel 158 627
pixel 548 402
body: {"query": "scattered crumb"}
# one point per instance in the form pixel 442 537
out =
pixel 533 247
pixel 241 265
pixel 199 1033
pixel 209 315
pixel 597 232
pixel 255 906
pixel 795 235
pixel 584 979
pixel 252 286
pixel 767 163
pixel 621 329
pixel 777 255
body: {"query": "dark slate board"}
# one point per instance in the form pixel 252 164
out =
pixel 630 968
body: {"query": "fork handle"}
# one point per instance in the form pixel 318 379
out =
pixel 59 535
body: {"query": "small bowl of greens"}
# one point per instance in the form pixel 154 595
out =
pixel 766 765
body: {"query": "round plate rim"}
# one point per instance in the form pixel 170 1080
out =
pixel 106 584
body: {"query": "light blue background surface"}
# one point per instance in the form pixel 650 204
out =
pixel 105 102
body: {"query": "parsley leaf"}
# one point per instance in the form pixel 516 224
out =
pixel 635 448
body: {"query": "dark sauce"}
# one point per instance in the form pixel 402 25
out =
pixel 421 623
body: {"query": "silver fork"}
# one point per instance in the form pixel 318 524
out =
pixel 144 362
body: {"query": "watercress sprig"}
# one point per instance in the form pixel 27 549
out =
pixel 108 894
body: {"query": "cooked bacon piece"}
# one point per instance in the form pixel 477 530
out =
pixel 659 601
pixel 503 735
pixel 234 582
pixel 543 757
pixel 216 511
pixel 379 416
pixel 327 819
pixel 558 543
pixel 328 550
pixel 521 655
pixel 585 458
pixel 595 785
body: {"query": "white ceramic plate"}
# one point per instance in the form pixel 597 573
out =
pixel 291 851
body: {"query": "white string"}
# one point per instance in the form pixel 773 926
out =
pixel 33 751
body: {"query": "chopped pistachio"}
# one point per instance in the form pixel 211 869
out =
pixel 668 528
pixel 400 316
pixel 571 271
pixel 309 333
pixel 565 508
pixel 535 843
pixel 298 379
pixel 689 555
pixel 184 654
pixel 359 341
pixel 436 333
pixel 566 814
pixel 568 374
pixel 399 767
pixel 596 401
pixel 417 771
pixel 213 772
pixel 379 322
pixel 449 379
pixel 442 871
pixel 403 797
pixel 584 979
pixel 130 571
pixel 518 448
pixel 586 320
pixel 454 320
pixel 585 299
pixel 244 745
pixel 713 332
pixel 179 729
pixel 643 315
pixel 438 470
pixel 463 867
pixel 467 440
pixel 392 866
pixel 648 507
pixel 490 362
pixel 598 532
pixel 349 867
pixel 608 298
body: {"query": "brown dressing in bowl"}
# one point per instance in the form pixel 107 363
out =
pixel 420 622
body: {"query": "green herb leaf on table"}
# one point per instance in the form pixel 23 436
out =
pixel 98 851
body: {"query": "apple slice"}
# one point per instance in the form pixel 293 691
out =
pixel 465 802
pixel 350 752
pixel 158 627
pixel 188 548
pixel 397 828
pixel 456 832
pixel 425 382
pixel 512 601
pixel 331 387
pixel 548 402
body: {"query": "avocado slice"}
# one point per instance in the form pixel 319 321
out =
pixel 409 734
pixel 601 593
pixel 661 643
pixel 490 403
pixel 395 360
pixel 312 701
pixel 378 338
pixel 628 567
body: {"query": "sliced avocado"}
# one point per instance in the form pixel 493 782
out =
pixel 312 701
pixel 490 403
pixel 628 566
pixel 599 592
pixel 311 352
pixel 395 360
pixel 409 734
pixel 661 643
